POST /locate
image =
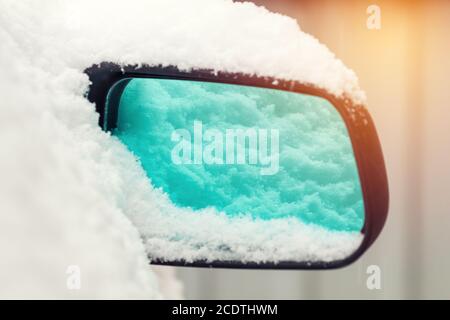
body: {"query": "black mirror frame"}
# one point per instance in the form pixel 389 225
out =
pixel 363 135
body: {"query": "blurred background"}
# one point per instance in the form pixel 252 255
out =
pixel 405 70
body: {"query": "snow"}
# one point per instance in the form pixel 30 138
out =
pixel 71 194
pixel 319 184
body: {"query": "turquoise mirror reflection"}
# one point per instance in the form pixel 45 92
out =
pixel 258 153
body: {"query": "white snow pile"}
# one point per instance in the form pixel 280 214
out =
pixel 172 233
pixel 72 195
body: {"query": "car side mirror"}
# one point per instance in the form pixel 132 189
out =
pixel 247 172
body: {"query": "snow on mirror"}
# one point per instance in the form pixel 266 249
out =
pixel 240 173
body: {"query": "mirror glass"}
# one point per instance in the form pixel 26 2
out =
pixel 239 173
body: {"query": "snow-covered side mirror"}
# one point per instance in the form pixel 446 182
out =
pixel 246 172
